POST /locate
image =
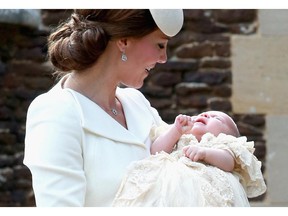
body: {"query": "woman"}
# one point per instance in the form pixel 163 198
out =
pixel 84 132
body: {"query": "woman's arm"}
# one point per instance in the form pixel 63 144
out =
pixel 53 153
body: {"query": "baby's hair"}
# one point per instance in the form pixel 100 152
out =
pixel 233 128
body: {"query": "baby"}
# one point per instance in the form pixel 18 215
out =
pixel 215 122
pixel 197 161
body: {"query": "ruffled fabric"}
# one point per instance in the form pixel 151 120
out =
pixel 174 180
pixel 247 166
pixel 163 181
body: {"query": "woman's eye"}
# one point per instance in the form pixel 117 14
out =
pixel 161 46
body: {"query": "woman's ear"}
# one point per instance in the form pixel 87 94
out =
pixel 122 44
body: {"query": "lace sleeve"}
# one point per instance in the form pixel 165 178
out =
pixel 156 131
pixel 247 166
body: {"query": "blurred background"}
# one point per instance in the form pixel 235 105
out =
pixel 233 60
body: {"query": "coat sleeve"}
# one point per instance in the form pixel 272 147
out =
pixel 53 153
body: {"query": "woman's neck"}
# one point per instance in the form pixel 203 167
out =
pixel 99 87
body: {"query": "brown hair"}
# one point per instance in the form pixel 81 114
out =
pixel 77 43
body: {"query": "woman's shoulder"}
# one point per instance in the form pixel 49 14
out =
pixel 56 100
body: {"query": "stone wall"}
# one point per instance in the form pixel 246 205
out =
pixel 262 58
pixel 23 76
pixel 197 77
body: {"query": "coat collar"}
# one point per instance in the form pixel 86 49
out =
pixel 97 121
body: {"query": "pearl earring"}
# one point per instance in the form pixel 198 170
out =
pixel 124 57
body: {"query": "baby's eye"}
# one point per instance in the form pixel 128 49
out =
pixel 216 117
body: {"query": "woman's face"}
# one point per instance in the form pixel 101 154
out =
pixel 143 54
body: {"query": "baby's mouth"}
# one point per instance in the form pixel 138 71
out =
pixel 200 120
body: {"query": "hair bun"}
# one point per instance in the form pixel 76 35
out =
pixel 77 44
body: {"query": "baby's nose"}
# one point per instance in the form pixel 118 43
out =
pixel 205 115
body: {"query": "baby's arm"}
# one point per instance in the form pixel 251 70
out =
pixel 216 157
pixel 167 140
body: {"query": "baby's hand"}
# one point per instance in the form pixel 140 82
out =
pixel 183 123
pixel 195 153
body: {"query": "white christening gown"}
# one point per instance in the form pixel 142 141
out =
pixel 173 180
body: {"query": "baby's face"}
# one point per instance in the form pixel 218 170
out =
pixel 214 122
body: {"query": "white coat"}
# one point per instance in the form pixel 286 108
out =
pixel 76 152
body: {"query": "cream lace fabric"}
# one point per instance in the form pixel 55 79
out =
pixel 174 180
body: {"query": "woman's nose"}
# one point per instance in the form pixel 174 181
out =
pixel 163 58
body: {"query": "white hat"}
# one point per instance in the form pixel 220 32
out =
pixel 169 21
